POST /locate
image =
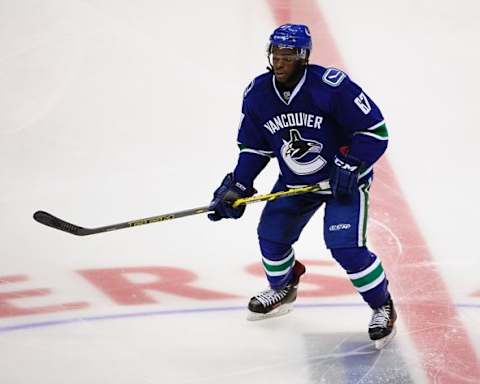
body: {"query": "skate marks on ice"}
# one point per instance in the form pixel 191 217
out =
pixel 350 358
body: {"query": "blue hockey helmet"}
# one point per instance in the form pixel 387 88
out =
pixel 296 36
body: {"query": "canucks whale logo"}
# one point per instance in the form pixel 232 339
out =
pixel 301 155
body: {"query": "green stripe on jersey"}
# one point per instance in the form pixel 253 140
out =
pixel 380 131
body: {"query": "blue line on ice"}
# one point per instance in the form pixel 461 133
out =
pixel 51 323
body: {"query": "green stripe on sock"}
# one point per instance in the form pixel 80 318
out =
pixel 280 267
pixel 362 281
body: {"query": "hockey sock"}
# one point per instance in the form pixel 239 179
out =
pixel 278 260
pixel 366 273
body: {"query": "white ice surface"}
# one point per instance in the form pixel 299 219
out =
pixel 97 100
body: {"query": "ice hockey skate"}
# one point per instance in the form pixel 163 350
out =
pixel 273 303
pixel 382 325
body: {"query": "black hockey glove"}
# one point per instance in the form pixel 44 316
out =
pixel 229 191
pixel 344 177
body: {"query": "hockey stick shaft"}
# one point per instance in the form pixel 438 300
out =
pixel 322 186
pixel 48 219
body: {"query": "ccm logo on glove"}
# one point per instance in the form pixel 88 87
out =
pixel 344 165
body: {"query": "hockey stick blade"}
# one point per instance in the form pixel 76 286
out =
pixel 46 218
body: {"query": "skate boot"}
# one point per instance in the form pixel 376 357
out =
pixel 273 303
pixel 382 325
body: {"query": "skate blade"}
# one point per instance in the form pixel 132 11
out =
pixel 379 344
pixel 280 311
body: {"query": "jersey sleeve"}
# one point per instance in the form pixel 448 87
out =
pixel 255 152
pixel 362 121
pixel 251 138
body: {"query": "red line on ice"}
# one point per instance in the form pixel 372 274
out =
pixel 425 307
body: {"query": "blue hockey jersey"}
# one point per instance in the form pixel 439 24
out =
pixel 325 111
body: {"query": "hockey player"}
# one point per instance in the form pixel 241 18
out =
pixel 320 126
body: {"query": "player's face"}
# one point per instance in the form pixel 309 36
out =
pixel 286 64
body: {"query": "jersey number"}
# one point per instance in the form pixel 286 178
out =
pixel 362 103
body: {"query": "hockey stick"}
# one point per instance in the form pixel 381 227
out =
pixel 48 219
pixel 322 186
